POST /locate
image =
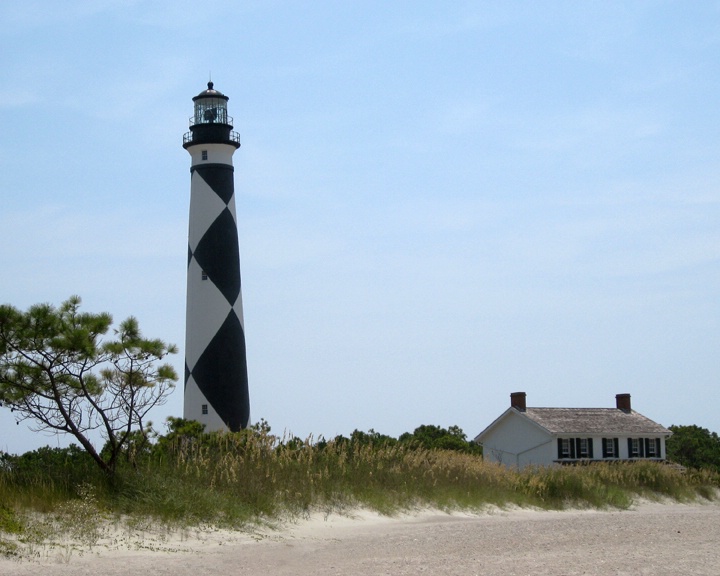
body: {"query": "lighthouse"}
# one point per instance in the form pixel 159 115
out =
pixel 216 382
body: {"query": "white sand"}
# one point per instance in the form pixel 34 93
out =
pixel 653 539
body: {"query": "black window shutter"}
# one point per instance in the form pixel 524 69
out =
pixel 604 447
pixel 572 447
pixel 590 448
pixel 616 442
pixel 630 452
pixel 658 452
pixel 642 447
pixel 560 453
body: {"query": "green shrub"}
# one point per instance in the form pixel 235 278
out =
pixel 694 447
pixel 9 522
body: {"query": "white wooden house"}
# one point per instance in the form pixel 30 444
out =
pixel 523 436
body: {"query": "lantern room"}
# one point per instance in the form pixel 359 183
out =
pixel 211 107
pixel 210 122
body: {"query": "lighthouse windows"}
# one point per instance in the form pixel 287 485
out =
pixel 204 154
pixel 204 409
pixel 203 275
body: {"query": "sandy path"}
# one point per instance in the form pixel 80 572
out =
pixel 652 539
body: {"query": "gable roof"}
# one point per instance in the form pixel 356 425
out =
pixel 593 421
pixel 589 421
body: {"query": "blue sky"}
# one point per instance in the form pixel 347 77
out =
pixel 438 203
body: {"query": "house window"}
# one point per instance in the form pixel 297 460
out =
pixel 644 448
pixel 610 448
pixel 652 448
pixel 583 451
pixel 204 409
pixel 203 275
pixel 204 154
pixel 574 448
pixel 563 447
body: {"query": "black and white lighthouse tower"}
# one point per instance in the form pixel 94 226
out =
pixel 216 382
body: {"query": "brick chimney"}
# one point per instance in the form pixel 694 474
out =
pixel 622 401
pixel 517 401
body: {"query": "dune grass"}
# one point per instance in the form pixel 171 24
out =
pixel 231 480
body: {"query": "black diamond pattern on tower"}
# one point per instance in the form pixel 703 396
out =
pixel 218 255
pixel 220 178
pixel 221 374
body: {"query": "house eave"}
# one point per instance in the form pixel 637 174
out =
pixel 504 416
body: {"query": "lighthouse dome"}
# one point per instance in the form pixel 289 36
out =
pixel 211 93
